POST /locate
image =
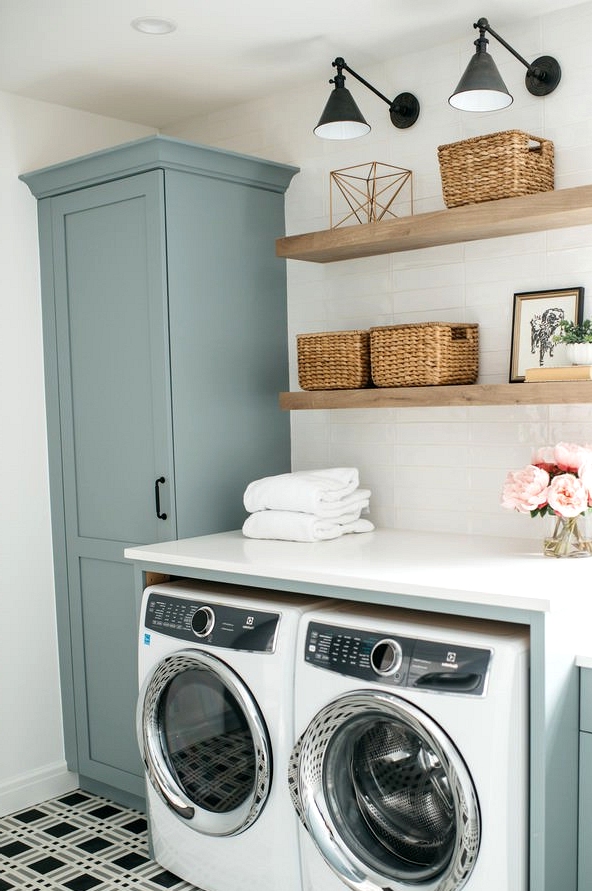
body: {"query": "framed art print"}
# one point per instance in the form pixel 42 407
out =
pixel 535 322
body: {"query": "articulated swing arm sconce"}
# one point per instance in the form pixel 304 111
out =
pixel 342 119
pixel 481 87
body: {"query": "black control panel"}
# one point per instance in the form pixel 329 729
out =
pixel 213 624
pixel 400 661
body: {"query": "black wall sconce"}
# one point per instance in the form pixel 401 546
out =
pixel 342 119
pixel 481 87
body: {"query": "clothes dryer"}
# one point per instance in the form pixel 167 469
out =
pixel 215 728
pixel 410 770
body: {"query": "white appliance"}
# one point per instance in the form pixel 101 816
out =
pixel 410 770
pixel 215 727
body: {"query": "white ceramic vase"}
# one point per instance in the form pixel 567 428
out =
pixel 579 353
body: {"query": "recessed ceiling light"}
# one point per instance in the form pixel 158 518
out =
pixel 149 25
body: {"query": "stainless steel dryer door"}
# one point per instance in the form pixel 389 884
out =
pixel 385 795
pixel 204 742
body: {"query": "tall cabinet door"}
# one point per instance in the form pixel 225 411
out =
pixel 112 368
pixel 228 325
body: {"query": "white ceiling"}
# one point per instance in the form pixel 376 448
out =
pixel 84 53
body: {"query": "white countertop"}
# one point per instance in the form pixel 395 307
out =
pixel 498 572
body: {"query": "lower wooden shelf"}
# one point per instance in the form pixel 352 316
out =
pixel 409 397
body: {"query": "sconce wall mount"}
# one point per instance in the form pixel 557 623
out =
pixel 481 87
pixel 342 119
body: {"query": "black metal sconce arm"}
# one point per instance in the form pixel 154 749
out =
pixel 542 76
pixel 404 108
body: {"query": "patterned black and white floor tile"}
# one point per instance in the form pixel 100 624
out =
pixel 79 842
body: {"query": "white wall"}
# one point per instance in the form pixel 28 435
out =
pixel 32 767
pixel 437 468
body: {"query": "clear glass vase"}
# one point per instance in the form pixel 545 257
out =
pixel 568 539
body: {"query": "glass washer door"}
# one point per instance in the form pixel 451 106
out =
pixel 204 741
pixel 385 796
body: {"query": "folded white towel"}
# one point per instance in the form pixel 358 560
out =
pixel 287 525
pixel 304 490
pixel 355 503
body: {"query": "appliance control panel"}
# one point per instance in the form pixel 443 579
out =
pixel 213 624
pixel 389 658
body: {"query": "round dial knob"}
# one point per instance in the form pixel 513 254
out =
pixel 386 657
pixel 203 621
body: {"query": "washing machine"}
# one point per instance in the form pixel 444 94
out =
pixel 215 728
pixel 410 765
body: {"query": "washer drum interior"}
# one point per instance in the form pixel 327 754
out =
pixel 385 795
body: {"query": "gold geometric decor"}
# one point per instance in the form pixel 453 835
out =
pixel 366 193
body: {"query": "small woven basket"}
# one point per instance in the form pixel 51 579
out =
pixel 334 360
pixel 424 354
pixel 499 165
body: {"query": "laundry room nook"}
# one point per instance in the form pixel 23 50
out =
pixel 297 446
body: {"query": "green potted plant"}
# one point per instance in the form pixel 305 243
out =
pixel 577 338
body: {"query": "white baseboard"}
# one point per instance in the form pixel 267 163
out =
pixel 35 786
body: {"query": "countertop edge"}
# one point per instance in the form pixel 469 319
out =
pixel 368 570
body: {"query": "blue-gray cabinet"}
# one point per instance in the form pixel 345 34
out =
pixel 585 804
pixel 164 314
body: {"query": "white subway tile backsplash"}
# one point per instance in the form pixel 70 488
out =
pixel 487 435
pixel 369 434
pixel 352 453
pixel 413 434
pixel 564 264
pixel 449 479
pixel 431 454
pixel 518 269
pixel 575 237
pixel 434 300
pixel 496 248
pixel 308 455
pixel 431 415
pixel 579 414
pixel 571 431
pixel 490 339
pixel 426 277
pixel 511 413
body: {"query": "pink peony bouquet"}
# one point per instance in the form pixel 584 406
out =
pixel 558 481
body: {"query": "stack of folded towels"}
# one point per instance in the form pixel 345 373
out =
pixel 308 505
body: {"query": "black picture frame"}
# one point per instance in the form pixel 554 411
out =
pixel 535 321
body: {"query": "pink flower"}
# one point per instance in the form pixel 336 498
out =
pixel 567 495
pixel 525 490
pixel 544 457
pixel 570 456
pixel 585 474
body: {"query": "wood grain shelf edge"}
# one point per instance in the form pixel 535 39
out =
pixel 561 392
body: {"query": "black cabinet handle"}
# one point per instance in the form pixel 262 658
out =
pixel 158 482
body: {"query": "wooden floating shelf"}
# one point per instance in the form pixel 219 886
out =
pixel 491 219
pixel 409 397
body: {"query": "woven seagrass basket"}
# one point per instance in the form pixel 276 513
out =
pixel 334 360
pixel 499 165
pixel 424 354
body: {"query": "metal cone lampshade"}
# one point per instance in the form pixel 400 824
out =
pixel 341 118
pixel 481 87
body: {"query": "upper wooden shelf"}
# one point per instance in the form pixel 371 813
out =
pixel 491 219
pixel 473 394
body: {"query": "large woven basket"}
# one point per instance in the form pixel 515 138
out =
pixel 499 165
pixel 424 354
pixel 334 360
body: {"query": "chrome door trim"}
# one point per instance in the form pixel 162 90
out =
pixel 157 770
pixel 307 788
